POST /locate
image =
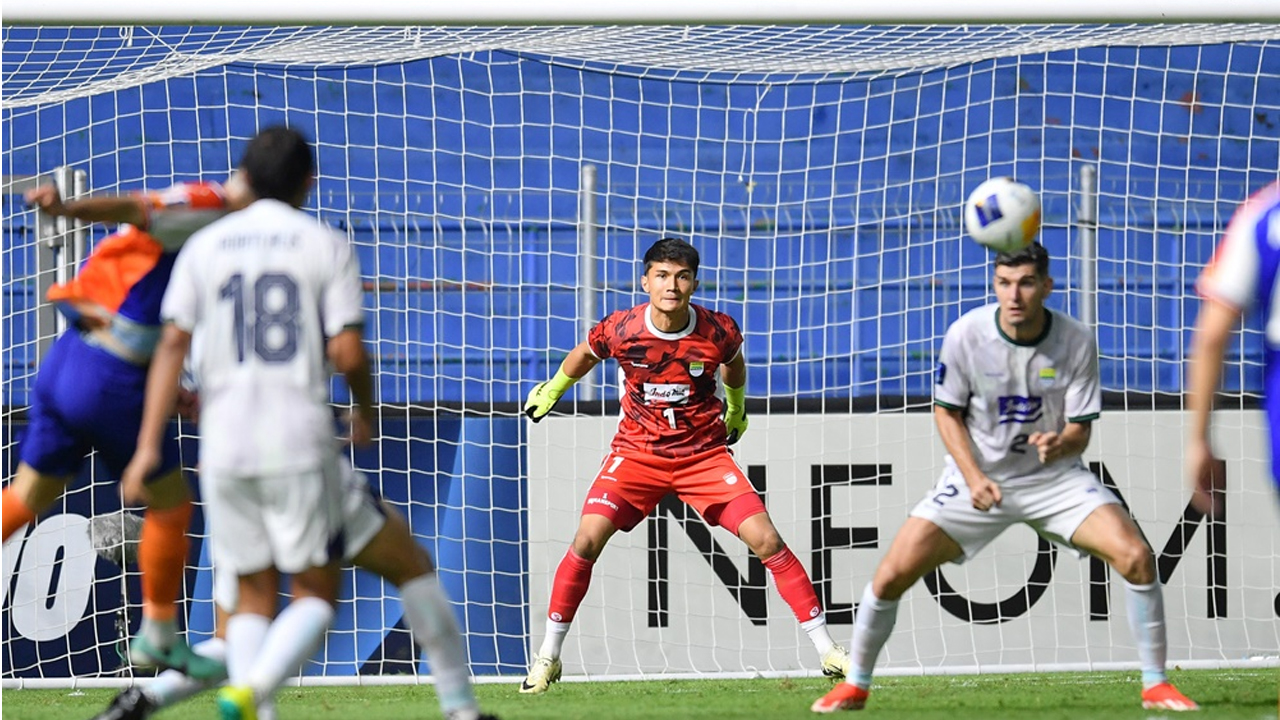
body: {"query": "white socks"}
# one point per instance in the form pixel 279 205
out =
pixel 245 633
pixel 554 639
pixel 294 636
pixel 1145 604
pixel 872 626
pixel 431 619
pixel 819 634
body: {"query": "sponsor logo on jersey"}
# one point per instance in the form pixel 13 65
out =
pixel 1048 376
pixel 1018 409
pixel 695 368
pixel 666 393
pixel 603 501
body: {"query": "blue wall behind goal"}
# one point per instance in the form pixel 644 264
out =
pixel 827 212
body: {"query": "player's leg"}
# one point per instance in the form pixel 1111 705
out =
pixel 568 588
pixel 29 495
pixel 393 553
pixel 757 530
pixel 1109 533
pixel 300 516
pixel 162 560
pixel 943 527
pixel 51 452
pixel 625 490
pixel 918 548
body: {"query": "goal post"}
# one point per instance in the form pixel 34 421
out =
pixel 500 184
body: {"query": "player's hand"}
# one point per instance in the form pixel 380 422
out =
pixel 359 428
pixel 985 494
pixel 541 400
pixel 1207 479
pixel 1049 444
pixel 46 199
pixel 188 406
pixel 735 424
pixel 133 483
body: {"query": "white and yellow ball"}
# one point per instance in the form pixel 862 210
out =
pixel 1002 214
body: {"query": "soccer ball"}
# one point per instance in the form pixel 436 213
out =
pixel 1002 214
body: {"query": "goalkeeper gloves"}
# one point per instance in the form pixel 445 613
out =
pixel 544 396
pixel 735 413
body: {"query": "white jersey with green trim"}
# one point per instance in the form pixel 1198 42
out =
pixel 1011 389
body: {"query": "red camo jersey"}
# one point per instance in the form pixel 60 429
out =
pixel 669 408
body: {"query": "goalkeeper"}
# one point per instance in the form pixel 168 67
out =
pixel 673 438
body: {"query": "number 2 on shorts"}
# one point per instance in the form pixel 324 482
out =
pixel 950 492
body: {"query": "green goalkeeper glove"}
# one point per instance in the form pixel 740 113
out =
pixel 735 413
pixel 544 396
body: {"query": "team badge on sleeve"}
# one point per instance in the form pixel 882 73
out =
pixel 940 374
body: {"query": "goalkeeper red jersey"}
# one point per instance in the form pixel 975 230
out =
pixel 669 407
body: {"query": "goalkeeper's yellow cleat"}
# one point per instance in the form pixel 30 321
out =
pixel 543 672
pixel 836 663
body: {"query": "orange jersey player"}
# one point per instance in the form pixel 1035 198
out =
pixel 672 440
pixel 88 391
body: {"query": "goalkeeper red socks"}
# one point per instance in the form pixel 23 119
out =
pixel 15 512
pixel 573 577
pixel 162 558
pixel 794 585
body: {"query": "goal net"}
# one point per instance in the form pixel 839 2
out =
pixel 501 184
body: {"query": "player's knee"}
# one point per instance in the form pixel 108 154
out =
pixel 1136 564
pixel 893 579
pixel 767 544
pixel 37 490
pixel 588 545
pixel 169 490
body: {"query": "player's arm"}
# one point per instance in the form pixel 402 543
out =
pixel 347 353
pixel 130 209
pixel 984 492
pixel 544 396
pixel 1214 326
pixel 1071 442
pixel 163 381
pixel 733 375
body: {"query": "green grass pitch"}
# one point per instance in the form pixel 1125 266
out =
pixel 1246 694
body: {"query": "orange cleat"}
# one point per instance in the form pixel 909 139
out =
pixel 850 697
pixel 1166 697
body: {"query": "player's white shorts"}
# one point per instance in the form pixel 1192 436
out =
pixel 1054 508
pixel 291 522
pixel 362 518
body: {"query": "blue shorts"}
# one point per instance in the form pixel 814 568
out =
pixel 86 399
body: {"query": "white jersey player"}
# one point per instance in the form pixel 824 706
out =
pixel 275 295
pixel 1017 391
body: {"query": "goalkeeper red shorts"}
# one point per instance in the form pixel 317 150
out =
pixel 630 485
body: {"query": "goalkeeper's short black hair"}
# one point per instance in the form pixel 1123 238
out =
pixel 670 249
pixel 278 163
pixel 1033 254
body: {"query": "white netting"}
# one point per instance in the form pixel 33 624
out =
pixel 820 172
